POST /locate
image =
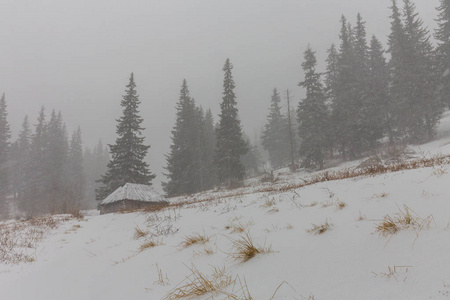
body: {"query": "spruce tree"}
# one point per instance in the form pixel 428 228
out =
pixel 208 144
pixel 23 152
pixel 378 93
pixel 346 105
pixel 423 108
pixel 33 199
pixel 127 164
pixel 230 144
pixel 77 180
pixel 442 35
pixel 312 115
pixel 184 159
pixel 5 135
pixel 330 89
pixel 275 136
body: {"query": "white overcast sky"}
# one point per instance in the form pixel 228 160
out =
pixel 76 56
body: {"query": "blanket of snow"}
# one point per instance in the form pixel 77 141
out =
pixel 100 259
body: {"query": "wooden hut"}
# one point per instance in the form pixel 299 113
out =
pixel 130 197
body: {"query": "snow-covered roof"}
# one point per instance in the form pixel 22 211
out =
pixel 131 191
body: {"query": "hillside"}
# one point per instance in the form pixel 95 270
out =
pixel 153 255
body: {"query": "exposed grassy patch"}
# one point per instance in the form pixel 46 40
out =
pixel 19 239
pixel 319 229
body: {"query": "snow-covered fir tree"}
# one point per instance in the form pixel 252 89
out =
pixel 230 143
pixel 312 115
pixel 127 164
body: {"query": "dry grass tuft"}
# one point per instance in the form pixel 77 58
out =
pixel 196 238
pixel 245 249
pixel 382 195
pixel 312 204
pixel 198 284
pixel 340 205
pixel 162 280
pixel 327 203
pixel 269 203
pixel 139 233
pixel 150 244
pixel 403 220
pixel 361 217
pixel 319 229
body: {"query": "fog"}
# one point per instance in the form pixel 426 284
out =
pixel 76 56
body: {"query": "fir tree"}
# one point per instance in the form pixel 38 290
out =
pixel 442 35
pixel 127 163
pixel 346 105
pixel 378 94
pixel 230 144
pixel 208 144
pixel 33 199
pixel 184 159
pixel 5 135
pixel 77 180
pixel 275 135
pixel 23 153
pixel 312 115
pixel 398 68
pixel 423 108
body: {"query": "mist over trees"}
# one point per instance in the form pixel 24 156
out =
pixel 367 96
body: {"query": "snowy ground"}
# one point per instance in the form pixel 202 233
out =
pixel 98 257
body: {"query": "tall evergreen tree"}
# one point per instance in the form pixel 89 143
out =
pixel 127 164
pixel 77 180
pixel 5 135
pixel 423 109
pixel 379 105
pixel 442 35
pixel 230 144
pixel 275 137
pixel 346 106
pixel 312 115
pixel 23 157
pixel 33 199
pixel 208 144
pixel 184 159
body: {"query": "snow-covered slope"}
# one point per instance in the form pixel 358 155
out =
pixel 100 257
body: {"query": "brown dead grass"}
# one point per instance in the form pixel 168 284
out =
pixel 404 219
pixel 245 249
pixel 319 229
pixel 19 239
pixel 150 244
pixel 193 239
